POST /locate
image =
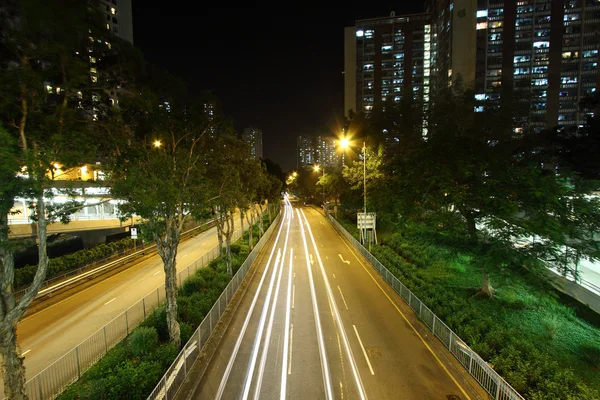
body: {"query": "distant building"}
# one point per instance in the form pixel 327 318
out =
pixel 253 137
pixel 319 150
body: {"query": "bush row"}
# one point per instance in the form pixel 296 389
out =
pixel 60 265
pixel 532 372
pixel 133 368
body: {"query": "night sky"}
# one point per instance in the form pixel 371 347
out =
pixel 278 69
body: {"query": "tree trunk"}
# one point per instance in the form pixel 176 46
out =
pixel 242 220
pixel 471 226
pixel 167 249
pixel 261 226
pixel 219 222
pixel 486 285
pixel 250 230
pixel 228 235
pixel 13 369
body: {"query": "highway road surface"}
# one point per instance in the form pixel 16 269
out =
pixel 52 332
pixel 315 323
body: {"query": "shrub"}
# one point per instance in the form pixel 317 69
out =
pixel 143 341
pixel 194 284
pixel 158 320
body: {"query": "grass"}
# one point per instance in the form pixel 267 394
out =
pixel 533 335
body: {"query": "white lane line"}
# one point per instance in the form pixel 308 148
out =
pixel 291 347
pixel 286 337
pixel 363 350
pixel 344 261
pixel 311 259
pixel 247 320
pixel 263 358
pixel 321 341
pixel 183 255
pixel 342 330
pixel 326 257
pixel 293 296
pixel 334 276
pixel 25 352
pixel 341 294
pixel 156 273
pixel 110 301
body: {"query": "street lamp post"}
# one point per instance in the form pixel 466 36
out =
pixel 344 144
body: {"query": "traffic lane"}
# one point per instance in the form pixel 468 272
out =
pixel 400 360
pixel 344 372
pixel 226 371
pixel 50 333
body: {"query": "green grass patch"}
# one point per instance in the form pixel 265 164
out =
pixel 546 345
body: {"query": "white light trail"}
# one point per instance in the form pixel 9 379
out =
pixel 286 335
pixel 359 384
pixel 321 341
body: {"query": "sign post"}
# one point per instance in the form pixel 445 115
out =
pixel 366 223
pixel 133 236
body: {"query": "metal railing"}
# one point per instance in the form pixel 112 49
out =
pixel 489 379
pixel 67 369
pixel 172 380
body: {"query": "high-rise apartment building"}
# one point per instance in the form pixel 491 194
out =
pixel 253 137
pixel 541 54
pixel 319 150
pixel 119 18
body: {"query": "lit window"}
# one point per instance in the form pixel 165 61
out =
pixel 480 96
pixel 108 45
pixel 94 79
pixel 92 60
pixel 368 66
pixel 541 45
pixel 107 26
pixel 360 33
pixel 482 13
pixel 93 70
pixel 49 88
pixel 113 11
pixel 478 109
pixel 386 48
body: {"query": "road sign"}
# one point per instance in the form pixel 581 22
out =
pixel 365 221
pixel 133 233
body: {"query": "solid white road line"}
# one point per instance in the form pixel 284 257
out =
pixel 263 358
pixel 110 301
pixel 291 348
pixel 342 330
pixel 247 320
pixel 321 341
pixel 342 294
pixel 25 352
pixel 293 296
pixel 363 349
pixel 156 273
pixel 286 337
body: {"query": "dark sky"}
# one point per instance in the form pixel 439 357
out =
pixel 279 69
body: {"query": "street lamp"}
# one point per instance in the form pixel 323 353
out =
pixel 317 168
pixel 157 143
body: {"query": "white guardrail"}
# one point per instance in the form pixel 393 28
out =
pixel 53 380
pixel 489 379
pixel 171 382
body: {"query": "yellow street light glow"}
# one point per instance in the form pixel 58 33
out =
pixel 344 143
pixel 295 174
pixel 157 143
pixel 317 168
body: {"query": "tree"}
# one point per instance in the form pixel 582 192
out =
pixel 225 162
pixel 44 91
pixel 334 186
pixel 472 164
pixel 163 178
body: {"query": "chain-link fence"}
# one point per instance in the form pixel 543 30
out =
pixel 489 379
pixel 55 378
pixel 175 376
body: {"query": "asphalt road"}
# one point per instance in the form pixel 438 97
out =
pixel 315 323
pixel 52 332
